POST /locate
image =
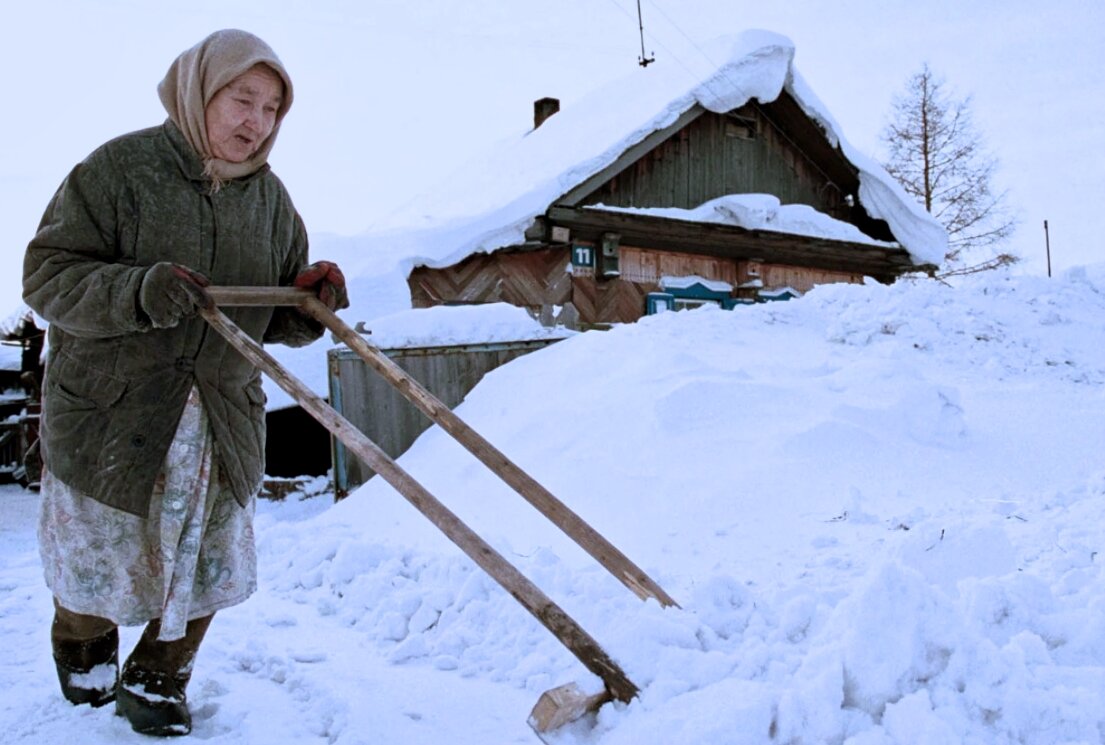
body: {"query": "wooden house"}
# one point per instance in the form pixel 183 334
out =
pixel 621 237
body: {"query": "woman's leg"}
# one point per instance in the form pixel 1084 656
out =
pixel 86 653
pixel 152 688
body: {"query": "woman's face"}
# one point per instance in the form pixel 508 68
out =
pixel 243 113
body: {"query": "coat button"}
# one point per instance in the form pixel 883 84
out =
pixel 185 364
pixel 138 441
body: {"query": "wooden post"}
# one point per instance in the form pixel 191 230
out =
pixel 551 616
pixel 589 539
pixel 1047 243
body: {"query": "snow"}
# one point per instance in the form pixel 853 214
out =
pixel 421 327
pixel 465 324
pixel 760 212
pixel 881 508
pixel 683 283
pixel 11 358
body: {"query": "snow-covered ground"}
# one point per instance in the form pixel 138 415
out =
pixel 882 510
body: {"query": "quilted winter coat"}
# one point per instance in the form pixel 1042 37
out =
pixel 116 386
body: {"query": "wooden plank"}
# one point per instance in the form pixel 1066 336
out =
pixel 802 279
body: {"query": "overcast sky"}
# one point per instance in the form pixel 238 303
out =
pixel 391 95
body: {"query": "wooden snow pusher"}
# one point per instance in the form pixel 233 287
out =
pixel 557 706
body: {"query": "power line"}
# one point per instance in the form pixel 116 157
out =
pixel 681 31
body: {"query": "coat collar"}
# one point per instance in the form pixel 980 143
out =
pixel 191 165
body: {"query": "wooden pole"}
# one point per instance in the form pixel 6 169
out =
pixel 551 616
pixel 1047 243
pixel 589 539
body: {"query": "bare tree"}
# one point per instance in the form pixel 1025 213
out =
pixel 938 156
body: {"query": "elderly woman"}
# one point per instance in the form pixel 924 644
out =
pixel 153 428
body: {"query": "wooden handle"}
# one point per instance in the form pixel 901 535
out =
pixel 258 295
pixel 551 616
pixel 574 526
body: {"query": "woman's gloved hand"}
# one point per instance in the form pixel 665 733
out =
pixel 327 282
pixel 171 292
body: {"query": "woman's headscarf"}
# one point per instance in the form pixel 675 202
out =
pixel 202 71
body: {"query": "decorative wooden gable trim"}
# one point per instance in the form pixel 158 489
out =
pixel 531 279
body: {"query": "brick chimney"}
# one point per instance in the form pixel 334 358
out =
pixel 543 108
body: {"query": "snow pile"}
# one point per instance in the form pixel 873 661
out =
pixel 463 324
pixel 760 212
pixel 882 510
pixel 397 326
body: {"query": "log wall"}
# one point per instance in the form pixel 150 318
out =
pixel 721 154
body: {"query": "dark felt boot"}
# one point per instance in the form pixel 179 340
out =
pixel 86 654
pixel 151 693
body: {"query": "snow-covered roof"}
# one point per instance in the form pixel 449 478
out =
pixel 14 323
pixel 491 202
pixel 444 325
pixel 761 212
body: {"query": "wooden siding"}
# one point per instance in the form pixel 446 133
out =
pixel 384 415
pixel 609 301
pixel 803 279
pixel 643 265
pixel 590 299
pixel 713 156
pixel 530 279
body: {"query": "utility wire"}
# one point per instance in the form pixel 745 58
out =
pixel 681 31
pixel 658 42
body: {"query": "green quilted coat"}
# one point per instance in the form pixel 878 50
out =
pixel 116 386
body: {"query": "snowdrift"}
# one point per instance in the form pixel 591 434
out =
pixel 882 510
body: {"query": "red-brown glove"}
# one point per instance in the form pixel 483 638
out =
pixel 328 283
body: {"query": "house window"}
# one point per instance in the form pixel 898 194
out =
pixel 689 303
pixel 685 293
pixel 741 127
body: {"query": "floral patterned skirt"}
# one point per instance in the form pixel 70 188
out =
pixel 193 555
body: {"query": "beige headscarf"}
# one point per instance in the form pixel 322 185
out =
pixel 198 74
